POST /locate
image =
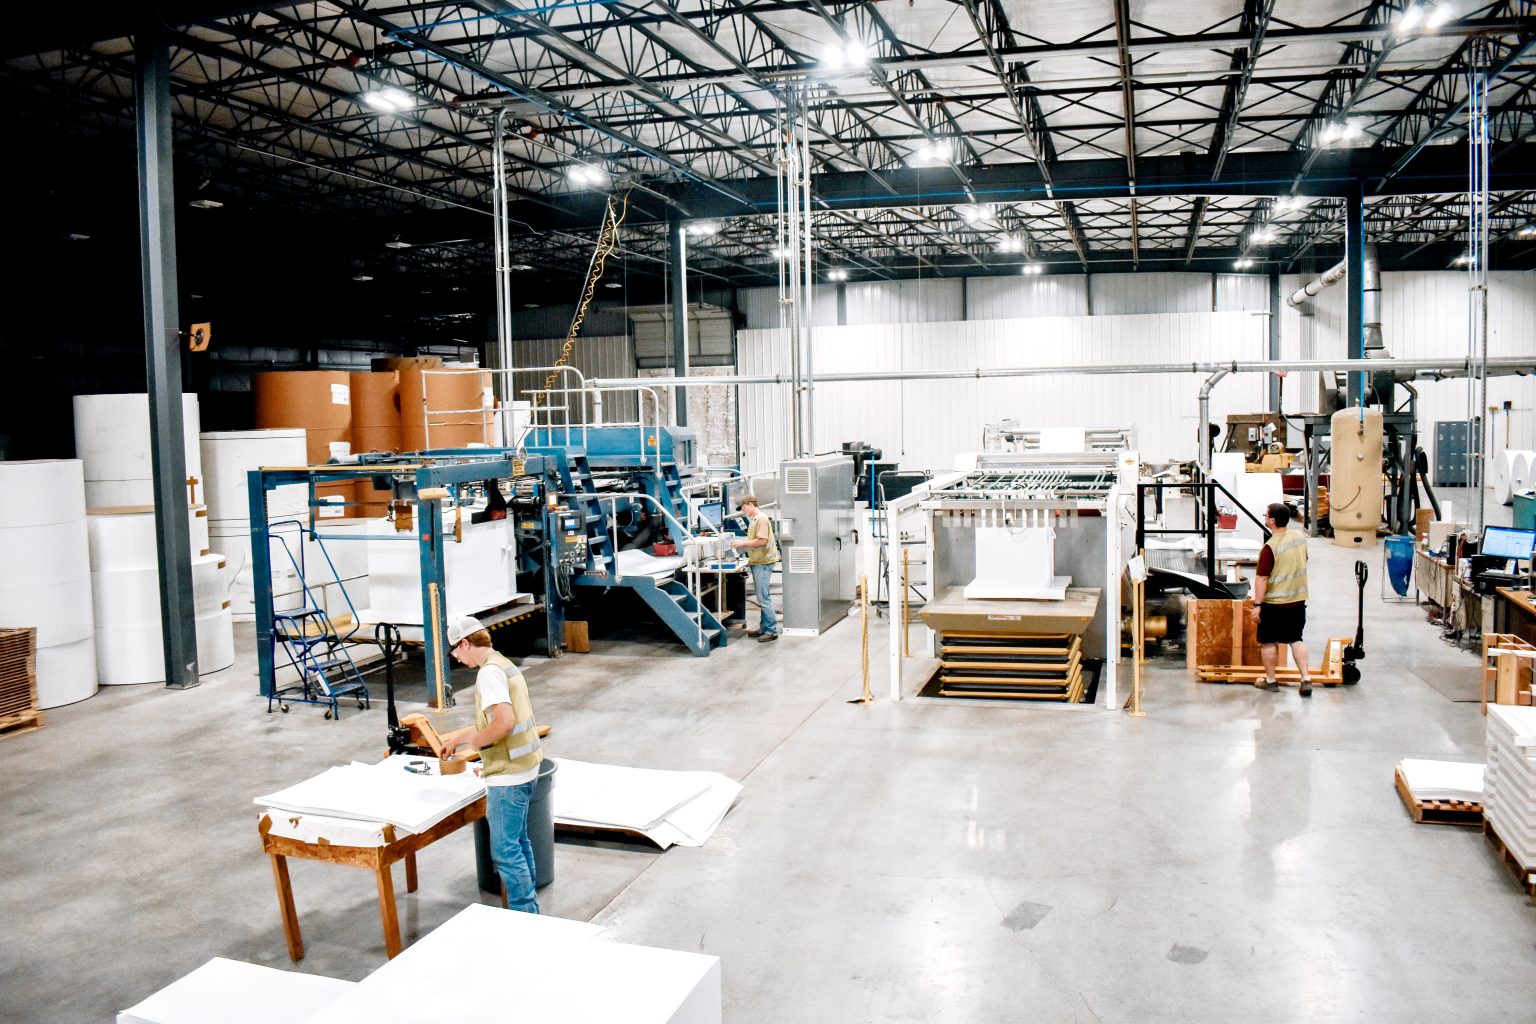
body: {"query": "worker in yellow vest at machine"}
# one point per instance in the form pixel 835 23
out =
pixel 1280 596
pixel 510 752
pixel 762 556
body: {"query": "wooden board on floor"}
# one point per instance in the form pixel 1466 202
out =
pixel 1525 875
pixel 1437 812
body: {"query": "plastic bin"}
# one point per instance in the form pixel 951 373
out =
pixel 1399 562
pixel 541 834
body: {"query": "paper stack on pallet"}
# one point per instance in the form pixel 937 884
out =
pixel 1509 793
pixel 668 808
pixel 380 792
pixel 1443 780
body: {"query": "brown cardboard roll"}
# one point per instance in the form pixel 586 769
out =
pixel 382 363
pixel 341 492
pixel 375 399
pixel 376 439
pixel 314 399
pixel 457 403
pixel 370 503
pixel 317 443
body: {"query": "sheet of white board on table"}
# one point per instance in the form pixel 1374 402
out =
pixel 667 807
pixel 383 792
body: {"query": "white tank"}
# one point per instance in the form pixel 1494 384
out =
pixel 1355 491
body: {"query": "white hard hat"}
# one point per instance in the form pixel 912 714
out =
pixel 462 627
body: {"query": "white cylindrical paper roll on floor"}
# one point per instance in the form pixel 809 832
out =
pixel 32 556
pixel 126 598
pixel 41 491
pixel 197 530
pixel 1522 473
pixel 215 641
pixel 229 455
pixel 208 590
pixel 129 655
pixel 66 673
pixel 61 612
pixel 112 437
pixel 1503 470
pixel 119 493
pixel 122 537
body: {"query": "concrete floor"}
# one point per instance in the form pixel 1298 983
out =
pixel 1235 855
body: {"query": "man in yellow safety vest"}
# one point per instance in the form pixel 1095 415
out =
pixel 1280 596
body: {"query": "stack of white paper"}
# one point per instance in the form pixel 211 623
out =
pixel 380 792
pixel 230 992
pixel 1443 780
pixel 668 808
pixel 1509 793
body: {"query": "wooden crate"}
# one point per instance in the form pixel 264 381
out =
pixel 1329 673
pixel 1437 812
pixel 18 682
pixel 1222 632
pixel 1525 876
pixel 1508 679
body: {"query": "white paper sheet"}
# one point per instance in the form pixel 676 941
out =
pixel 635 562
pixel 1016 563
pixel 1443 780
pixel 380 792
pixel 619 797
pixel 231 992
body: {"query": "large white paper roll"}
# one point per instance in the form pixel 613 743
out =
pixel 66 673
pixel 129 655
pixel 1523 473
pixel 119 493
pixel 61 612
pixel 41 491
pixel 126 598
pixel 229 455
pixel 1503 471
pixel 197 530
pixel 112 437
pixel 215 641
pixel 122 537
pixel 208 590
pixel 32 556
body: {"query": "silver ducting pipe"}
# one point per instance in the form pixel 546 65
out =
pixel 1371 280
pixel 1330 277
pixel 1205 416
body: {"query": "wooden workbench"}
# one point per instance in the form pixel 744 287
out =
pixel 1514 612
pixel 378 858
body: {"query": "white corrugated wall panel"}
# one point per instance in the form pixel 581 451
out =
pixel 1008 298
pixel 760 307
pixel 598 356
pixel 1241 291
pixel 899 302
pixel 1126 294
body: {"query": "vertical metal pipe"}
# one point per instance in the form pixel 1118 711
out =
pixel 1274 343
pixel 1354 280
pixel 1477 270
pixel 162 356
pixel 501 239
pixel 680 316
pixel 808 378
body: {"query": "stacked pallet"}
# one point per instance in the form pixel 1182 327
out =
pixel 1019 666
pixel 1509 670
pixel 1509 792
pixel 18 682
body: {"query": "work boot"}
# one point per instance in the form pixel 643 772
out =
pixel 1269 686
pixel 754 632
pixel 1306 687
pixel 766 637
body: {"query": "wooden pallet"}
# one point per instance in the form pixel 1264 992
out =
pixel 1329 673
pixel 19 712
pixel 16 725
pixel 1437 812
pixel 1525 877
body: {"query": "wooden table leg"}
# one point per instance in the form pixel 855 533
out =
pixel 285 906
pixel 410 872
pixel 387 911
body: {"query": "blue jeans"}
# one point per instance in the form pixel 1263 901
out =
pixel 506 809
pixel 762 579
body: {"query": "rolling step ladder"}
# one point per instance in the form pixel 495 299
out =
pixel 314 647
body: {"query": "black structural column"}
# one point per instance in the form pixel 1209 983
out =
pixel 162 353
pixel 680 316
pixel 1354 280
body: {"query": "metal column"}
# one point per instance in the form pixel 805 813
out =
pixel 680 316
pixel 1274 344
pixel 162 356
pixel 1354 280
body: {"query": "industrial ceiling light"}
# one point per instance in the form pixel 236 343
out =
pixel 1033 268
pixel 389 101
pixel 837 274
pixel 588 176
pixel 782 252
pixel 1340 131
pixel 1466 259
pixel 613 284
pixel 1289 204
pixel 205 204
pixel 702 228
pixel 1264 236
pixel 973 214
pixel 1442 13
pixel 850 54
pixel 395 243
pixel 1525 232
pixel 521 266
pixel 931 154
pixel 362 277
pixel 1009 243
pixel 1243 264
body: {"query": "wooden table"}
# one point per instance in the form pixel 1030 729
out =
pixel 377 858
pixel 1514 612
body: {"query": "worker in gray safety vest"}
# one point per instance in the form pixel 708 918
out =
pixel 510 753
pixel 1280 596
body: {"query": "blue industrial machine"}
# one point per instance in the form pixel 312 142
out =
pixel 580 500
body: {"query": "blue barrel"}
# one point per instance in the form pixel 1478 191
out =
pixel 1400 563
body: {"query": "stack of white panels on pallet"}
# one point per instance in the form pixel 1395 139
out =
pixel 479 572
pixel 112 439
pixel 125 594
pixel 1443 780
pixel 1509 787
pixel 668 808
pixel 46 579
pixel 227 457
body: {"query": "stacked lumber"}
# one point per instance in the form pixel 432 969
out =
pixel 1509 670
pixel 18 682
pixel 1015 666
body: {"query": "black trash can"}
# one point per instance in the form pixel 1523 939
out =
pixel 541 834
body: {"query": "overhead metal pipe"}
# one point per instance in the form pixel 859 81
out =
pixel 1327 279
pixel 1205 416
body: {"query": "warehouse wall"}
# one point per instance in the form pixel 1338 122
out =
pixel 925 423
pixel 1424 315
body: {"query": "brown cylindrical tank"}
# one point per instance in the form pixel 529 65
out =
pixel 1356 486
pixel 455 400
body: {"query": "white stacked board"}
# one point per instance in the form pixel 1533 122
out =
pixel 1509 790
pixel 479 571
pixel 667 807
pixel 383 792
pixel 232 992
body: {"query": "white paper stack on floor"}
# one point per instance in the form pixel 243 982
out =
pixel 1509 792
pixel 380 792
pixel 231 992
pixel 1443 780
pixel 668 808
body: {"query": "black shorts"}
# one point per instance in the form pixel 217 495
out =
pixel 1282 623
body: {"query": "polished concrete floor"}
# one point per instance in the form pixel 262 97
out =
pixel 1235 855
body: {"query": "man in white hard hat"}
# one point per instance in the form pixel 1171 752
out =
pixel 510 754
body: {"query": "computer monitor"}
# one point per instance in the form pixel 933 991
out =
pixel 1503 542
pixel 712 512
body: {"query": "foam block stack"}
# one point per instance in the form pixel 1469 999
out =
pixel 112 440
pixel 46 583
pixel 125 589
pixel 227 457
pixel 320 403
pixel 1509 786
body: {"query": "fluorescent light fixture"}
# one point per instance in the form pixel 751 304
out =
pixel 395 243
pixel 837 274
pixel 1264 236
pixel 1033 268
pixel 389 101
pixel 1009 243
pixel 1442 13
pixel 613 284
pixel 1243 264
pixel 782 252
pixel 588 175
pixel 1410 20
pixel 931 154
pixel 362 277
pixel 76 236
pixel 521 266
pixel 852 54
pixel 205 204
pixel 1340 131
pixel 530 305
pixel 702 228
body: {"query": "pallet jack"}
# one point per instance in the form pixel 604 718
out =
pixel 1356 651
